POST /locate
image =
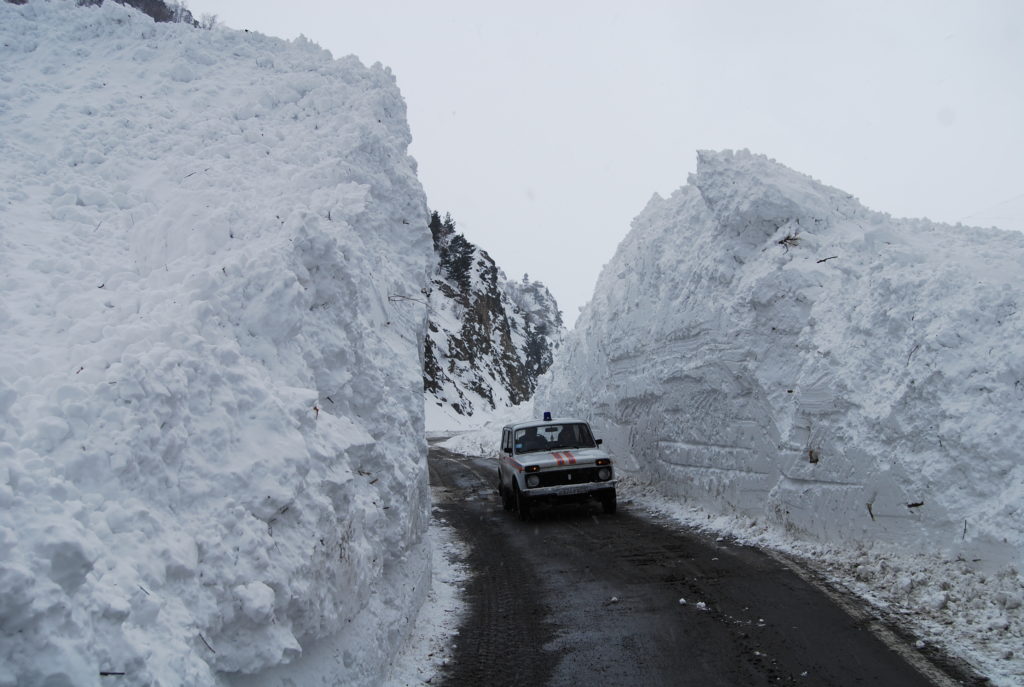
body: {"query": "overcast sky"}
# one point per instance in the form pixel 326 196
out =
pixel 545 127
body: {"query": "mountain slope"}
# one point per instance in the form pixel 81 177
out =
pixel 489 339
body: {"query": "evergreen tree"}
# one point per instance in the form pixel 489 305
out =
pixel 436 229
pixel 457 261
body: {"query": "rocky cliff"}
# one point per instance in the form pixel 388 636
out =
pixel 489 338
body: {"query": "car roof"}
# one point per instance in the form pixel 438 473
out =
pixel 539 423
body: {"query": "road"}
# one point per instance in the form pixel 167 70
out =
pixel 575 597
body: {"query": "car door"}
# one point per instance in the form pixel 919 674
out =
pixel 504 454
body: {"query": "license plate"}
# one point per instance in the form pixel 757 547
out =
pixel 577 489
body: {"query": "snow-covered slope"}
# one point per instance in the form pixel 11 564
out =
pixel 211 413
pixel 763 344
pixel 541 330
pixel 489 338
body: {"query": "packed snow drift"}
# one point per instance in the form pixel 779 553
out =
pixel 772 361
pixel 762 344
pixel 211 408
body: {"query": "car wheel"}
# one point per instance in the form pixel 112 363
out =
pixel 522 505
pixel 609 503
pixel 506 498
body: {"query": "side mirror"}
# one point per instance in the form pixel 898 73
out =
pixel 599 441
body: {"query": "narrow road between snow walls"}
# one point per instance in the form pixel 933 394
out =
pixel 574 596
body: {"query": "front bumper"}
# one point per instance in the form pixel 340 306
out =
pixel 570 490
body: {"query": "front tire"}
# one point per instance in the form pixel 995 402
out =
pixel 609 502
pixel 522 504
pixel 506 498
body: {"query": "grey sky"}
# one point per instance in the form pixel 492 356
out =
pixel 544 127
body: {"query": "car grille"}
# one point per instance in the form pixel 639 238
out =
pixel 555 478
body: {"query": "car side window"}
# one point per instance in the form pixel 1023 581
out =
pixel 587 437
pixel 526 440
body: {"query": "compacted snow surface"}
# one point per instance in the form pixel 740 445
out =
pixel 212 454
pixel 764 348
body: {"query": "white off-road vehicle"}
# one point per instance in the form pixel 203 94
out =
pixel 553 461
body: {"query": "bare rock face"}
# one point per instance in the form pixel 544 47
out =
pixel 489 338
pixel 159 10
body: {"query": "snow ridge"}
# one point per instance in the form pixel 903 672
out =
pixel 762 344
pixel 211 419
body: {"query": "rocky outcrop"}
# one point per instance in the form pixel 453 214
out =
pixel 159 10
pixel 489 338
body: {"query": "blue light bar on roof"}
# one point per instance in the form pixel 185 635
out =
pixel 547 416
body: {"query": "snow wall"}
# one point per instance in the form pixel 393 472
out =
pixel 763 344
pixel 211 407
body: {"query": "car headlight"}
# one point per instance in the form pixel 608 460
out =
pixel 604 474
pixel 533 481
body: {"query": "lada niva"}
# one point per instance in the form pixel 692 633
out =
pixel 553 461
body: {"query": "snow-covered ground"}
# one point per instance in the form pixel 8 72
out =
pixel 435 631
pixel 212 451
pixel 945 601
pixel 770 353
pixel 472 435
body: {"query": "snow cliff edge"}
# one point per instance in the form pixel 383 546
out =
pixel 763 344
pixel 211 416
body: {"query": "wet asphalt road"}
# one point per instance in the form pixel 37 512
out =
pixel 576 597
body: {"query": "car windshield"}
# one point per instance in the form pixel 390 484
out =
pixel 553 437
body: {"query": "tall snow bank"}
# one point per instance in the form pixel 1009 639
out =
pixel 211 413
pixel 762 344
